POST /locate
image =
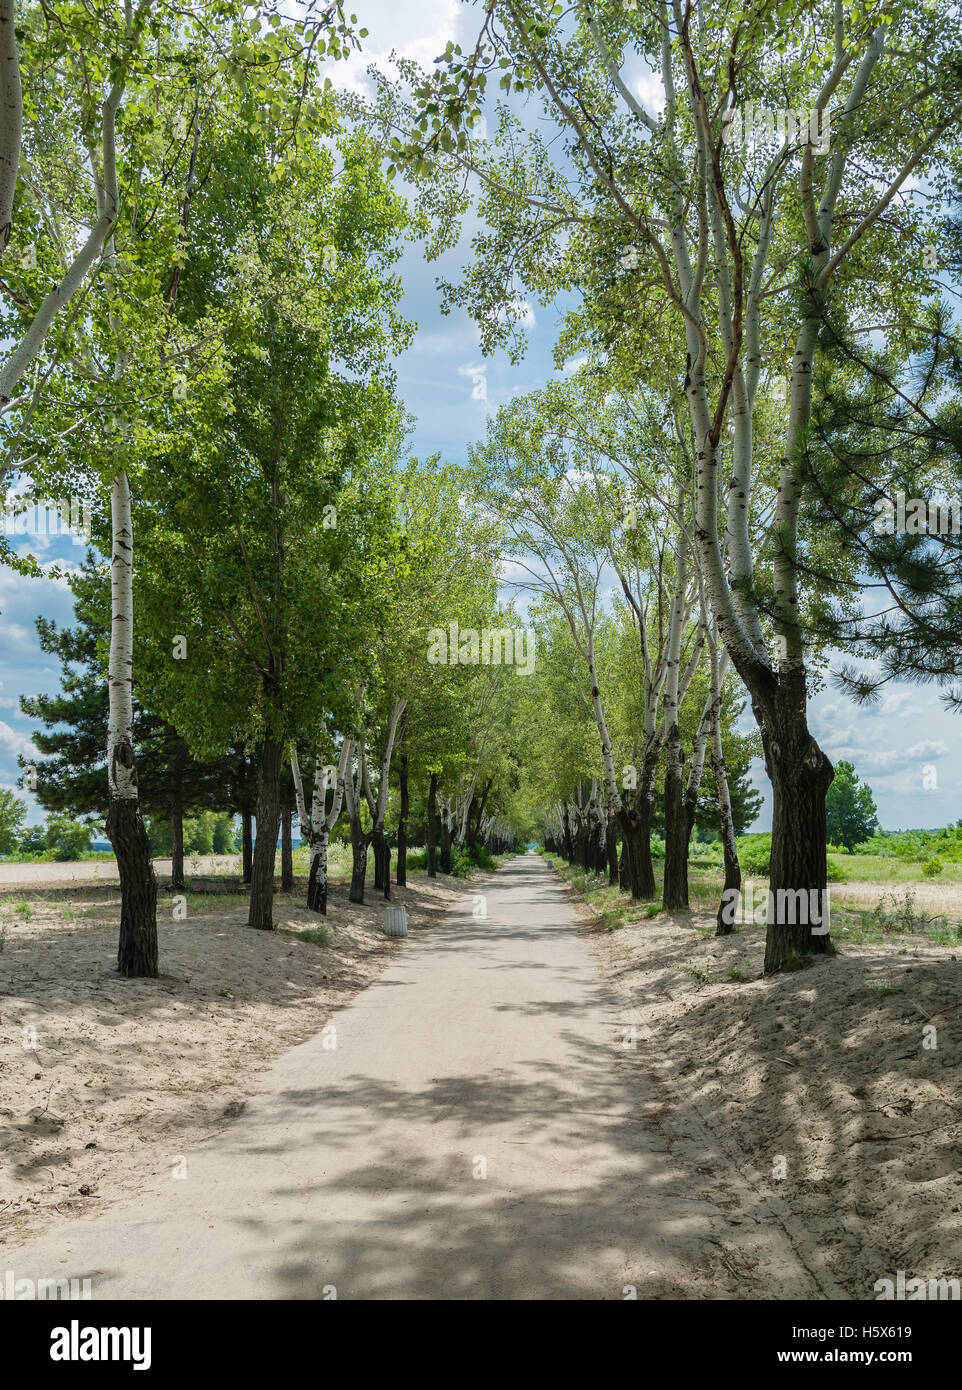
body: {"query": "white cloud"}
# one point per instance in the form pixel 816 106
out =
pixel 419 32
pixel 478 374
pixel 15 743
pixel 524 313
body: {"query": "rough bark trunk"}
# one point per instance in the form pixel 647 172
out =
pixel 733 873
pixel 382 862
pixel 247 847
pixel 359 844
pixel 402 825
pixel 636 842
pixel 611 850
pixel 733 882
pixel 432 826
pixel 674 893
pixel 176 842
pixel 261 911
pixel 287 849
pixel 445 847
pixel 801 776
pixel 137 953
pixel 569 849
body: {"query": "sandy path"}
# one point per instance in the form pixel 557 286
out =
pixel 488 1045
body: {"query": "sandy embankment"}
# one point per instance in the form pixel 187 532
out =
pixel 833 1092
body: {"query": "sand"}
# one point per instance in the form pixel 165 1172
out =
pixel 818 1095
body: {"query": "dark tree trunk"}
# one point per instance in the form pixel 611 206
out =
pixel 261 911
pixel 636 839
pixel 568 848
pixel 733 873
pixel 801 776
pixel 287 850
pixel 177 842
pixel 402 825
pixel 674 892
pixel 477 806
pixel 432 826
pixel 470 839
pixel 137 951
pixel 359 844
pixel 611 850
pixel 581 841
pixel 733 882
pixel 600 846
pixel 382 862
pixel 247 847
pixel 445 846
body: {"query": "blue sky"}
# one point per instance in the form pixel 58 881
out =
pixel 907 747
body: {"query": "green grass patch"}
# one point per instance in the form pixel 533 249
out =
pixel 317 936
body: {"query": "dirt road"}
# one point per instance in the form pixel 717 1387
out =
pixel 478 1132
pixel 53 874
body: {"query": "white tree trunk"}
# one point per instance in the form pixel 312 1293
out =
pixel 11 118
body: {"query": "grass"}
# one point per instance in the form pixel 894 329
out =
pixel 876 868
pixel 916 907
pixel 318 936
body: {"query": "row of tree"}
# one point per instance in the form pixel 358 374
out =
pixel 774 299
pixel 217 384
pixel 213 370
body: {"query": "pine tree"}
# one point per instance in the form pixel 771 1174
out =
pixel 849 809
pixel 72 775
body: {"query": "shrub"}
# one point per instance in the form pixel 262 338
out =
pixel 932 866
pixel 66 838
pixel 461 863
pixel 892 913
pixel 33 843
pixel 755 853
pixel 12 814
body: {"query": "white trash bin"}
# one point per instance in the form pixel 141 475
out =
pixel 395 921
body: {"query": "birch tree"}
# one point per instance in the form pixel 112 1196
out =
pixel 747 242
pixel 563 511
